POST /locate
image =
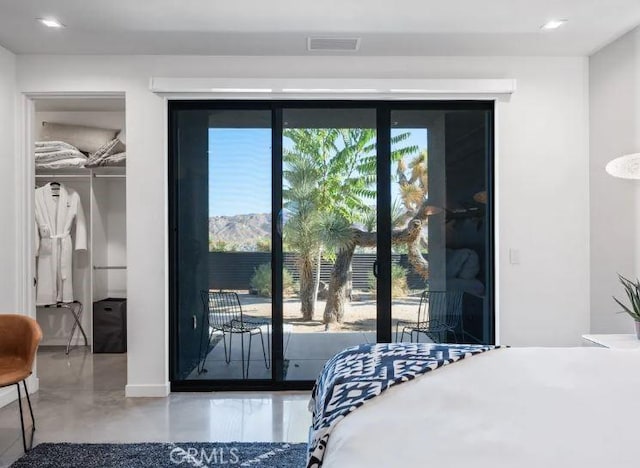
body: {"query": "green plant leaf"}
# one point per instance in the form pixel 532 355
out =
pixel 632 291
pixel 633 294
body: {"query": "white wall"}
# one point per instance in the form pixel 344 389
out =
pixel 543 179
pixel 8 255
pixel 615 130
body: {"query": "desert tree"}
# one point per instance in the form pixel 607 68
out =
pixel 329 194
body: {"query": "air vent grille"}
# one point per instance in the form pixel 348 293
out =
pixel 333 44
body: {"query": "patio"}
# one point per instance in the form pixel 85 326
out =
pixel 304 354
pixel 307 346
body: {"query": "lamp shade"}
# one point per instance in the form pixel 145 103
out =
pixel 625 167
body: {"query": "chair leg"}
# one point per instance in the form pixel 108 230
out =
pixel 203 359
pixel 33 420
pixel 200 367
pixel 264 353
pixel 224 342
pixel 269 344
pixel 24 436
pixel 230 348
pixel 242 352
pixel 249 354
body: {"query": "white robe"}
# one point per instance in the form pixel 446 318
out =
pixel 55 217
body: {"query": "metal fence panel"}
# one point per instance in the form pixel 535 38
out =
pixel 233 270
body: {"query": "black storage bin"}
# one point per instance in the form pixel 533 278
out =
pixel 110 326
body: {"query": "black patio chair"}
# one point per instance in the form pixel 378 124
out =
pixel 223 313
pixel 439 313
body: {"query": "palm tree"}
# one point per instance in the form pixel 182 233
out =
pixel 330 184
pixel 327 173
pixel 300 231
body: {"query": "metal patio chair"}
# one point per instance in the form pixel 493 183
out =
pixel 223 313
pixel 439 313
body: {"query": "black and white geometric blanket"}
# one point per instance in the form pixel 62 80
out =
pixel 362 372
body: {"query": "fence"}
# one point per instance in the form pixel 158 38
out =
pixel 233 270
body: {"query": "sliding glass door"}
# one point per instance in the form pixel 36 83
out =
pixel 442 249
pixel 223 232
pixel 301 228
pixel 329 200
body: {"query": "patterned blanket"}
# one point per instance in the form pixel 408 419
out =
pixel 362 372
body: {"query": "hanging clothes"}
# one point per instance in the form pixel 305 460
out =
pixel 55 217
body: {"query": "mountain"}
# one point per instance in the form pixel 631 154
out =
pixel 240 231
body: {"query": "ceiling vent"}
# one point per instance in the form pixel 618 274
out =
pixel 333 44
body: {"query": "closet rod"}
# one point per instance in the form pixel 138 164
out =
pixel 62 176
pixel 95 267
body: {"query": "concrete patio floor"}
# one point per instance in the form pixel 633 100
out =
pixel 307 346
pixel 305 354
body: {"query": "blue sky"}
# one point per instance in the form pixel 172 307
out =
pixel 240 169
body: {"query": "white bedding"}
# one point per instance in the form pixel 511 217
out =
pixel 58 155
pixel 515 408
pixel 63 163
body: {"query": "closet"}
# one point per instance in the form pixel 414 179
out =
pixel 99 272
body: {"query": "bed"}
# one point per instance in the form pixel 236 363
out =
pixel 507 407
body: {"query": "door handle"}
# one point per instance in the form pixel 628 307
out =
pixel 375 268
pixel 280 222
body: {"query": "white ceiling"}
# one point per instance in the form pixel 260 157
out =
pixel 280 27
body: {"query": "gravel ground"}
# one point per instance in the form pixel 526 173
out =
pixel 360 314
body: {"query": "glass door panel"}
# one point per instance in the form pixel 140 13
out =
pixel 329 235
pixel 404 187
pixel 223 242
pixel 441 266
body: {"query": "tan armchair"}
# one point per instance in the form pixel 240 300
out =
pixel 19 339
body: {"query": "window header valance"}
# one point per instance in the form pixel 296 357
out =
pixel 339 88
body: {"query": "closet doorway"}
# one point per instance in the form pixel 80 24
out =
pixel 79 251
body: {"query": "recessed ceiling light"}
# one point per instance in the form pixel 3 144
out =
pixel 553 24
pixel 51 23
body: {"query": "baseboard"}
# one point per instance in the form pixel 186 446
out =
pixel 9 394
pixel 147 391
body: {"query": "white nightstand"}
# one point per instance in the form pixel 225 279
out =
pixel 612 341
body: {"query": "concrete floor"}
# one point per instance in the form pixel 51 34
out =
pixel 305 353
pixel 81 399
